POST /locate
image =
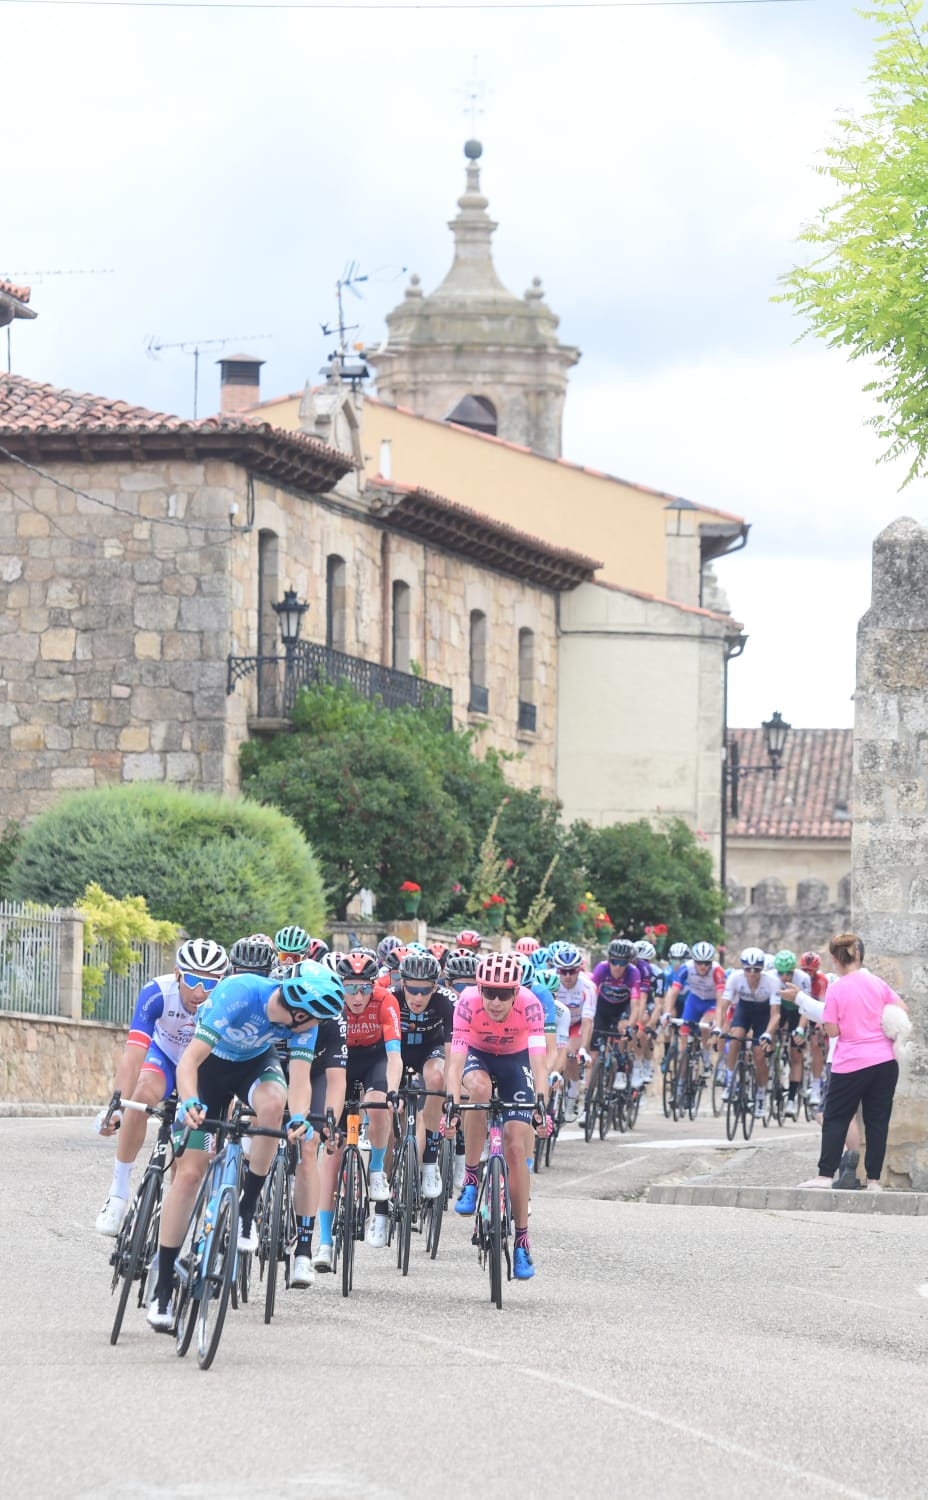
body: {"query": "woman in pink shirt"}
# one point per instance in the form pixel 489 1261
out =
pixel 864 1070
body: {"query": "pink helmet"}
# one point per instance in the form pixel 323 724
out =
pixel 527 945
pixel 503 969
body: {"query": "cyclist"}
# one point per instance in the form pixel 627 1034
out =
pixel 233 1053
pixel 470 939
pixel 375 1062
pixel 426 1021
pixel 499 1033
pixel 578 993
pixel 388 951
pixel 252 955
pixel 679 954
pixel 811 965
pixel 703 981
pixel 652 988
pixel 292 944
pixel 618 1000
pixel 460 970
pixel 755 993
pixel 439 951
pixel 791 981
pixel 526 945
pixel 162 1025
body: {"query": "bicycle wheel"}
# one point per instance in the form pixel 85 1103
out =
pixel 276 1210
pixel 348 1192
pixel 557 1115
pixel 593 1096
pixel 404 1201
pixel 718 1087
pixel 437 1205
pixel 697 1084
pixel 133 1260
pixel 733 1106
pixel 632 1106
pixel 607 1088
pixel 669 1087
pixel 494 1206
pixel 539 1153
pixel 807 1087
pixel 749 1085
pixel 219 1274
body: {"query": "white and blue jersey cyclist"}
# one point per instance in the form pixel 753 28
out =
pixel 163 1023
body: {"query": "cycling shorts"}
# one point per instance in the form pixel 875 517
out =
pixel 754 1016
pixel 157 1061
pixel 220 1080
pixel 367 1066
pixel 790 1019
pixel 695 1009
pixel 515 1080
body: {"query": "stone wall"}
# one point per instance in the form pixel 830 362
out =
pixel 890 836
pixel 53 1060
pixel 771 921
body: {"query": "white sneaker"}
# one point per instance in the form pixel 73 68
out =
pixel 302 1273
pixel 459 1170
pixel 322 1260
pixel 379 1187
pixel 111 1215
pixel 792 1109
pixel 431 1182
pixel 377 1231
pixel 570 1111
pixel 161 1322
pixel 248 1242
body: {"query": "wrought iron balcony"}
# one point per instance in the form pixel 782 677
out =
pixel 479 699
pixel 308 663
pixel 527 717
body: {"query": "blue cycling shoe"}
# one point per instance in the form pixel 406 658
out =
pixel 467 1203
pixel 523 1267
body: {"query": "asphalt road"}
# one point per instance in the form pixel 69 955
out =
pixel 659 1352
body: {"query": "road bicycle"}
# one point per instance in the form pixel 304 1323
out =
pixel 352 1194
pixel 408 1209
pixel 740 1104
pixel 544 1145
pixel 276 1216
pixel 136 1244
pixel 719 1074
pixel 207 1272
pixel 778 1081
pixel 690 1072
pixel 669 1068
pixel 600 1092
pixel 433 1209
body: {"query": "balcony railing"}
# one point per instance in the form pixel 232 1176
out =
pixel 527 717
pixel 307 664
pixel 479 702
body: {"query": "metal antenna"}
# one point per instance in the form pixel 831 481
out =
pixel 194 346
pixel 348 280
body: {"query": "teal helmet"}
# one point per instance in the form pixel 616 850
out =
pixel 292 940
pixel 311 989
pixel 546 979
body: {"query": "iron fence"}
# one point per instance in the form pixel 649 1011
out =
pixel 120 991
pixel 30 957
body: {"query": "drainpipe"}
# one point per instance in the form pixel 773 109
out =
pixel 386 600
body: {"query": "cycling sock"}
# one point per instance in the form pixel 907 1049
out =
pixel 249 1199
pixel 167 1256
pixel 430 1154
pixel 471 1175
pixel 377 1155
pixel 122 1171
pixel 793 1087
pixel 522 1238
pixel 530 1163
pixel 326 1217
pixel 573 1089
pixel 304 1225
pixel 728 1075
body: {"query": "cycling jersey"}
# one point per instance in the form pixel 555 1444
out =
pixel 800 980
pixel 738 991
pixel 580 1000
pixel 647 975
pixel 818 984
pixel 160 1016
pixel 378 1024
pixel 704 986
pixel 562 1023
pixel 522 1030
pixel 546 1001
pixel 425 1030
pixel 614 997
pixel 234 1024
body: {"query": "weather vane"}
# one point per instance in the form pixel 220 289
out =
pixel 475 96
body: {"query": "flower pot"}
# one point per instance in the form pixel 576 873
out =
pixel 410 900
pixel 493 918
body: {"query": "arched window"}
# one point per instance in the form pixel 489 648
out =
pixel 401 622
pixel 527 715
pixel 336 603
pixel 479 696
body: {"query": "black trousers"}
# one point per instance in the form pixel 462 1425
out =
pixel 871 1088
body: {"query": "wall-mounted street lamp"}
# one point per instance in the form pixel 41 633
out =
pixel 289 612
pixel 775 730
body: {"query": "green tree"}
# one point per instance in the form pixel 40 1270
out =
pixel 10 836
pixel 866 290
pixel 645 875
pixel 218 866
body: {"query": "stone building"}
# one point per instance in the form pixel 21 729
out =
pixel 141 556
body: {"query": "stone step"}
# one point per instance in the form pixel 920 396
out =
pixel 819 1200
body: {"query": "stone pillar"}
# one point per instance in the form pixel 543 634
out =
pixel 71 964
pixel 889 898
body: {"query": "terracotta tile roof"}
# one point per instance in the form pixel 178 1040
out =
pixel 815 780
pixel 431 517
pixel 689 609
pixel 40 421
pixel 21 293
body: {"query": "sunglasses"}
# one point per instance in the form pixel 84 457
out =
pixel 753 968
pixel 461 984
pixel 418 989
pixel 568 973
pixel 703 963
pixel 285 956
pixel 493 992
pixel 357 986
pixel 200 981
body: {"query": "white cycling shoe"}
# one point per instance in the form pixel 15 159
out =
pixel 322 1260
pixel 379 1189
pixel 161 1322
pixel 431 1182
pixel 111 1215
pixel 302 1273
pixel 377 1231
pixel 459 1170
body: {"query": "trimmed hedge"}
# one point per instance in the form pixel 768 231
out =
pixel 221 867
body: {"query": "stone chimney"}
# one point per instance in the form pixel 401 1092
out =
pixel 239 382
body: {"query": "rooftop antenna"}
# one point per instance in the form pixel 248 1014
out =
pixel 30 276
pixel 349 281
pixel 195 346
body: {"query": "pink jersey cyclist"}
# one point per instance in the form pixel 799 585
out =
pixel 521 1031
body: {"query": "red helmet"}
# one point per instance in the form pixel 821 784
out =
pixel 810 960
pixel 503 969
pixel 468 939
pixel 527 945
pixel 358 965
pixel 439 951
pixel 317 950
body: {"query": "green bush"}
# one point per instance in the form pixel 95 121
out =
pixel 644 875
pixel 220 867
pixel 10 836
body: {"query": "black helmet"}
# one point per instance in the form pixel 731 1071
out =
pixel 422 966
pixel 252 957
pixel 621 951
pixel 461 964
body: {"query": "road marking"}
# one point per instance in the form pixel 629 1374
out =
pixel 761 1457
pixel 874 1306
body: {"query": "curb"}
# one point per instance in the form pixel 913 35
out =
pixel 40 1111
pixel 818 1200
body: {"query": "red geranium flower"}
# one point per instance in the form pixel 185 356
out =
pixel 410 885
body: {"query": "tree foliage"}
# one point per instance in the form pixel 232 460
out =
pixel 221 867
pixel 123 926
pixel 867 290
pixel 10 836
pixel 646 875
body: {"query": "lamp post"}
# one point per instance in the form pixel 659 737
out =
pixel 775 730
pixel 289 612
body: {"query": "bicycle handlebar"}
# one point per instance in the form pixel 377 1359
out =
pixel 235 1128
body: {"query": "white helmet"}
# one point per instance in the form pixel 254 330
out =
pixel 678 950
pixel 646 950
pixel 703 953
pixel 202 956
pixel 753 958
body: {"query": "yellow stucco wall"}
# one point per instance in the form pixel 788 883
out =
pixel 749 861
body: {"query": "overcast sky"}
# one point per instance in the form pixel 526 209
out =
pixel 652 165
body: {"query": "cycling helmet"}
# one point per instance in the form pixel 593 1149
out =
pixel 620 951
pixel 252 957
pixel 527 945
pixel 387 945
pixel 422 966
pixel 309 988
pixel 546 979
pixel 316 950
pixel 785 961
pixel 261 937
pixel 202 956
pixel 503 969
pixel 292 940
pixel 703 953
pixel 468 939
pixel 440 952
pixel 360 965
pixel 646 950
pixel 330 960
pixel 461 965
pixel 567 957
pixel 753 958
pixel 678 951
pixel 540 958
pixel 810 960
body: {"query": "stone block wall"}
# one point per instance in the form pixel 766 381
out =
pixel 53 1060
pixel 890 836
pixel 771 921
